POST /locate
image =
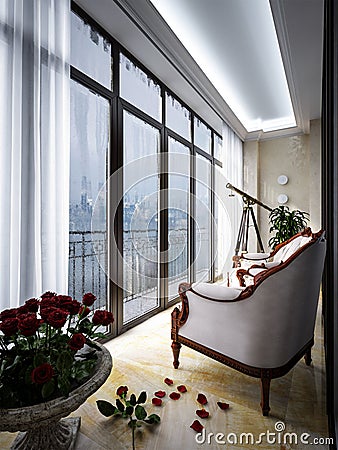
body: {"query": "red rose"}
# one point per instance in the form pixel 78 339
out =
pixel 102 317
pixel 68 304
pixel 28 324
pixel 22 310
pixel 62 301
pixel 57 318
pixel 74 307
pixel 48 302
pixel 32 305
pixel 8 313
pixel 48 294
pixel 88 299
pixel 9 326
pixel 77 341
pixel 46 311
pixel 122 390
pixel 42 374
pixel 84 311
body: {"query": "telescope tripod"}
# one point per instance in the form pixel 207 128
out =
pixel 243 232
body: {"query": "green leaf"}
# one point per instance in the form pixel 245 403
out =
pixel 85 326
pixel 98 336
pixel 120 405
pixel 140 412
pixel 129 410
pixel 48 389
pixel 64 385
pixel 106 408
pixel 64 361
pixel 132 400
pixel 39 359
pixel 153 418
pixel 142 398
pixel 28 375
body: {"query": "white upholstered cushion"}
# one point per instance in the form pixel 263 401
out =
pixel 216 291
pixel 287 250
pixel 256 256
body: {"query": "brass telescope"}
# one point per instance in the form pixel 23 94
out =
pixel 247 198
pixel 243 232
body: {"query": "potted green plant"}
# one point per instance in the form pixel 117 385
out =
pixel 285 224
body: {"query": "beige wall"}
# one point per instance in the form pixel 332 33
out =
pixel 298 157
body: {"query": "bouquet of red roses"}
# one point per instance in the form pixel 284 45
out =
pixel 42 347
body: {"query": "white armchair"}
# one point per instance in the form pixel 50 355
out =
pixel 253 263
pixel 261 330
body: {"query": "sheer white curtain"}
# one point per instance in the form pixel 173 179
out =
pixel 230 208
pixel 34 148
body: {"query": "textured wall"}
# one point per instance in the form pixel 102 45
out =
pixel 298 157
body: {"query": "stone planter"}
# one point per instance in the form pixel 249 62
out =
pixel 42 426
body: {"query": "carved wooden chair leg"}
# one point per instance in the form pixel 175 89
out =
pixel 307 357
pixel 265 392
pixel 176 346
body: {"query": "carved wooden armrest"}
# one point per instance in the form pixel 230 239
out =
pixel 241 273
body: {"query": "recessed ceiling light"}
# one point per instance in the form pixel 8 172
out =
pixel 235 44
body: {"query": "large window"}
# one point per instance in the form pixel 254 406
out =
pixel 87 209
pixel 203 220
pixel 178 215
pixel 140 89
pixel 135 238
pixel 140 217
pixel 178 117
pixel 91 52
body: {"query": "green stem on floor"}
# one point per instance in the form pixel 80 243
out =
pixel 133 434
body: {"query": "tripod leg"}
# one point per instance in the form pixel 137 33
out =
pixel 240 232
pixel 246 237
pixel 239 237
pixel 257 230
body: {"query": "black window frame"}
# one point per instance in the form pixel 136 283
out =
pixel 115 225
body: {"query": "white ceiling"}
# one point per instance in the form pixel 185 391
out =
pixel 235 44
pixel 242 61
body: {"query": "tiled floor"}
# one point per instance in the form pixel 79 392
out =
pixel 142 359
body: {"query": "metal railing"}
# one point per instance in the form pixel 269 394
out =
pixel 88 265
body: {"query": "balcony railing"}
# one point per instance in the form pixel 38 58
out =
pixel 88 267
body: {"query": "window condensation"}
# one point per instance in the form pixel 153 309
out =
pixel 89 125
pixel 203 219
pixel 218 148
pixel 140 218
pixel 202 136
pixel 178 118
pixel 139 89
pixel 91 52
pixel 178 215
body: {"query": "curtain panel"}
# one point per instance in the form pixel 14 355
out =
pixel 34 148
pixel 230 208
